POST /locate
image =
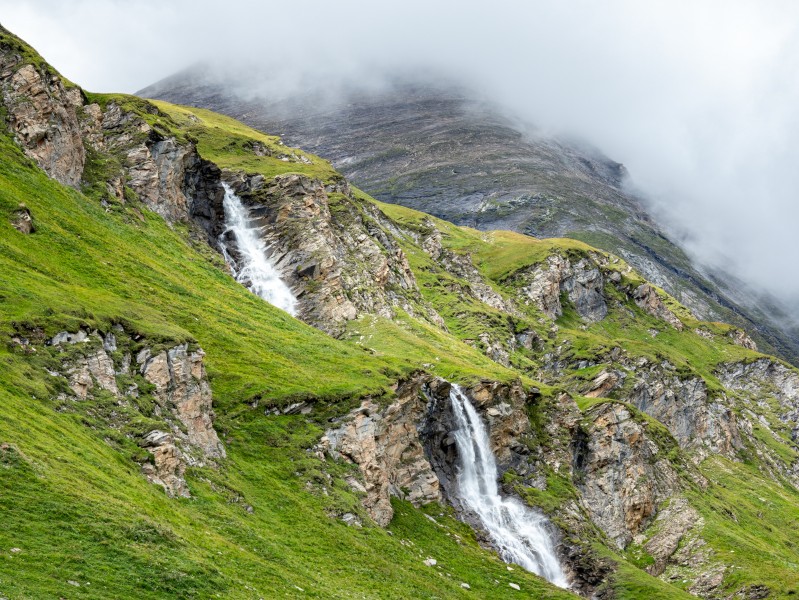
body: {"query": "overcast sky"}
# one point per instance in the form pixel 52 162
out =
pixel 700 100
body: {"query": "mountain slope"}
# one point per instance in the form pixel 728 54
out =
pixel 166 433
pixel 434 147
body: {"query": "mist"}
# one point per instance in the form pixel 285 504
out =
pixel 699 100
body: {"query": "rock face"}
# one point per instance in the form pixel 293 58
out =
pixel 740 337
pixel 182 389
pixel 647 298
pixel 42 115
pixel 763 379
pixel 683 405
pixel 626 475
pixel 335 251
pixel 170 178
pixel 168 464
pixel 583 282
pixel 406 449
pixel 386 446
pixel 56 127
pixel 182 397
pixel 672 524
pixel 94 370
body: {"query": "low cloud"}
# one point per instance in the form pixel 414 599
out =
pixel 698 99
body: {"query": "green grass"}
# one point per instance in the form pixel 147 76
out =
pixel 228 143
pixel 85 267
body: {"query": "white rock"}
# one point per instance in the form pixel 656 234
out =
pixel 466 586
pixel 431 562
pixel 515 586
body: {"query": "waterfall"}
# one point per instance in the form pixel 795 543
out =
pixel 518 532
pixel 251 267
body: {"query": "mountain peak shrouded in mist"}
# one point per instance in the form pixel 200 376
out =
pixel 429 143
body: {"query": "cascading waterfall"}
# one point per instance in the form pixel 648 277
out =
pixel 519 533
pixel 252 268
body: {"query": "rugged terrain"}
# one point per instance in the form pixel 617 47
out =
pixel 166 433
pixel 434 146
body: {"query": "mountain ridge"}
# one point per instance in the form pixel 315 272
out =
pixel 438 148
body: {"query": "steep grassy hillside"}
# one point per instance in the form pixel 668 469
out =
pixel 75 507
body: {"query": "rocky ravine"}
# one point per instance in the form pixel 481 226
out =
pixel 406 449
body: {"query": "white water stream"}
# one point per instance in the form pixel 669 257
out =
pixel 519 533
pixel 253 269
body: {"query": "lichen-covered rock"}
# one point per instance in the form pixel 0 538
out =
pixel 624 475
pixel 182 389
pixel 42 115
pixel 648 299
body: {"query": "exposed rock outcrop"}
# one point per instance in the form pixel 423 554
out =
pixel 672 525
pixel 386 446
pixel 42 115
pixel 582 281
pixel 332 249
pixel 648 299
pixel 697 422
pixel 168 464
pixel 762 380
pixel 182 389
pixel 182 395
pixel 97 369
pixel 168 176
pixel 462 267
pixel 624 473
pixel 22 220
pixel 741 338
